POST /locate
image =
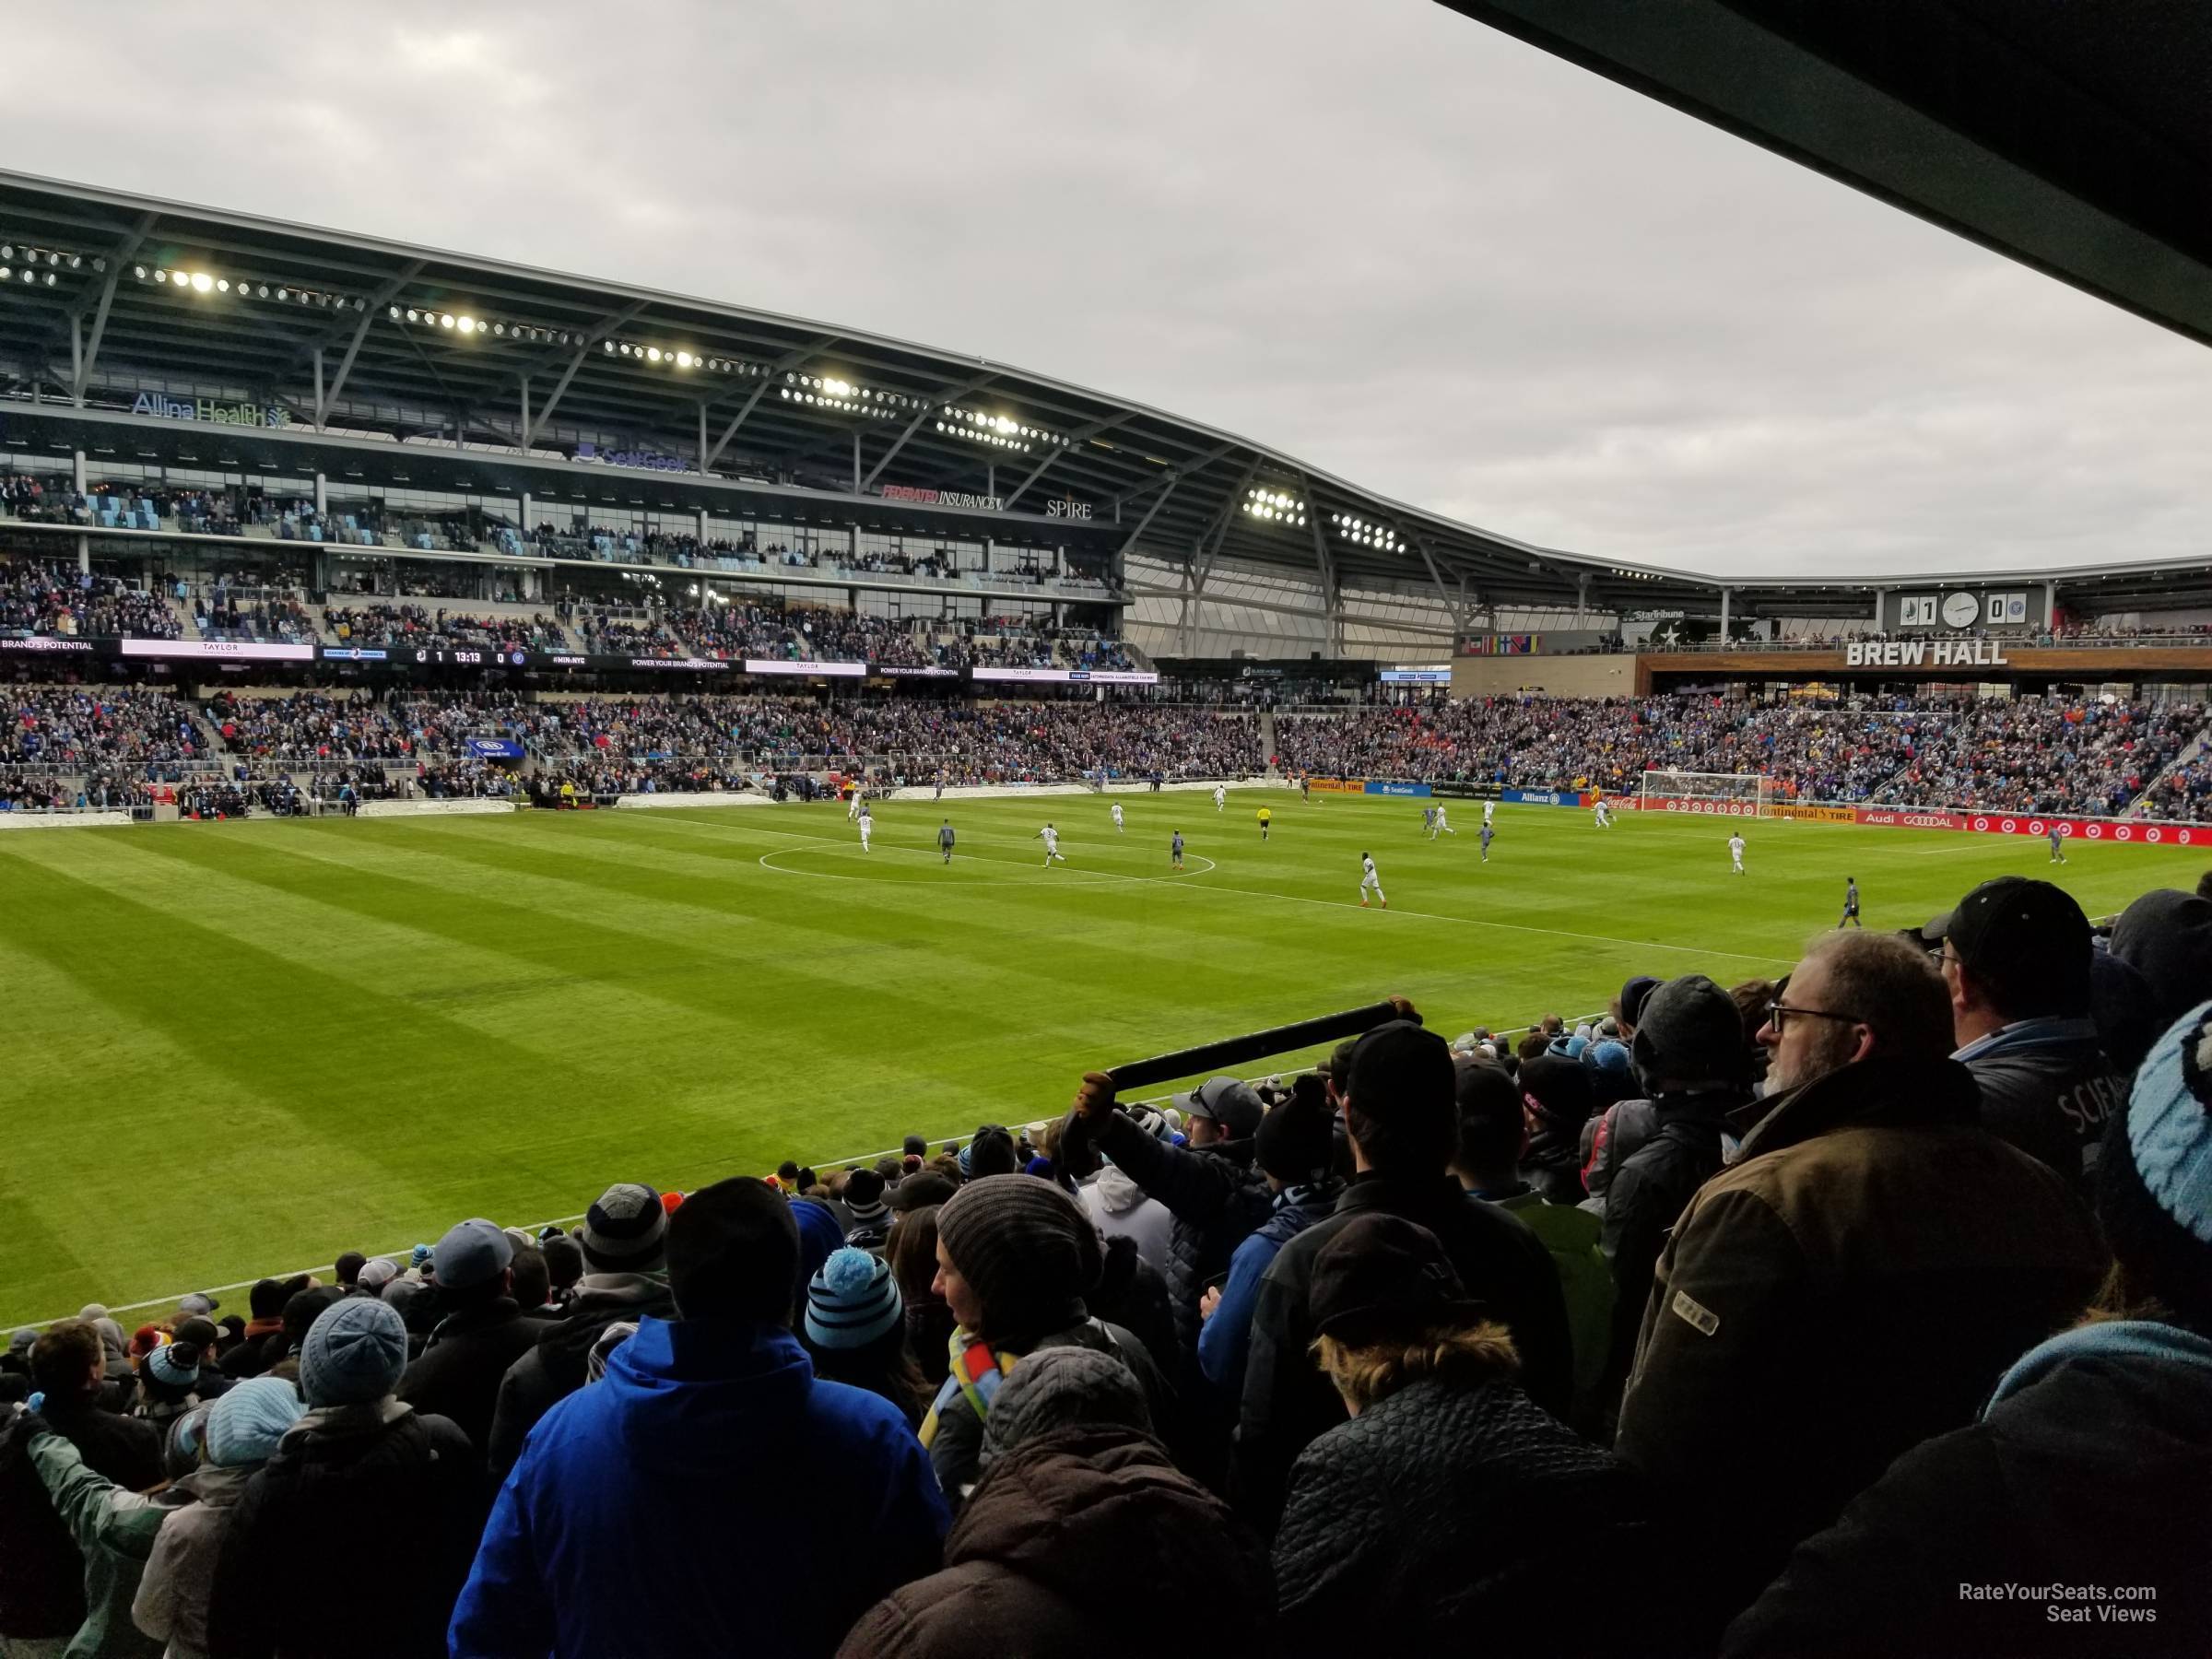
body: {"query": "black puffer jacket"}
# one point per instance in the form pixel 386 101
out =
pixel 1217 1196
pixel 350 1483
pixel 1288 1403
pixel 1474 1521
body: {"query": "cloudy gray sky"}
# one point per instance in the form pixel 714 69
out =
pixel 1393 243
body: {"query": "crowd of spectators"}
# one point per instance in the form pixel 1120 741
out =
pixel 223 612
pixel 39 599
pixel 415 626
pixel 78 729
pixel 2037 755
pixel 1768 1320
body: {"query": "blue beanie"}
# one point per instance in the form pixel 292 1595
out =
pixel 353 1353
pixel 851 1301
pixel 245 1424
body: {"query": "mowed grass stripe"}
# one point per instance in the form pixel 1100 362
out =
pixel 350 1033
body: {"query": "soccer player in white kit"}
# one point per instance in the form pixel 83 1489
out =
pixel 867 827
pixel 853 807
pixel 1117 817
pixel 1443 826
pixel 1736 853
pixel 1368 879
pixel 1490 811
pixel 1603 812
pixel 1051 838
pixel 1221 797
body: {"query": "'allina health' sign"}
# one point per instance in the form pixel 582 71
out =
pixel 203 408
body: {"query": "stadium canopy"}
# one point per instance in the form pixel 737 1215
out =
pixel 138 330
pixel 2073 137
pixel 499 378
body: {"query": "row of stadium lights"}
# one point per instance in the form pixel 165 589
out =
pixel 831 393
pixel 41 266
pixel 817 391
pixel 999 432
pixel 208 282
pixel 1365 534
pixel 461 323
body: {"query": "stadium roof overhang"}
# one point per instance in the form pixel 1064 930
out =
pixel 489 375
pixel 2071 137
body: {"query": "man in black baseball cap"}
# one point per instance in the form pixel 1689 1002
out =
pixel 2017 959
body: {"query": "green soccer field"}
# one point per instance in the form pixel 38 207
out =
pixel 241 1048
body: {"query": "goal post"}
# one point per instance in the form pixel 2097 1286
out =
pixel 1720 795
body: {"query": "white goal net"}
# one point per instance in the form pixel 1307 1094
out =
pixel 1721 794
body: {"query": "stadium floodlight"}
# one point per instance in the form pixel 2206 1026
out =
pixel 465 324
pixel 201 282
pixel 1274 507
pixel 1356 529
pixel 8 251
pixel 5 273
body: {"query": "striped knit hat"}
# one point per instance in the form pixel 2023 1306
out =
pixel 626 1231
pixel 851 1301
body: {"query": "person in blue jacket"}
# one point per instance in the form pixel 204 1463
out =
pixel 646 1515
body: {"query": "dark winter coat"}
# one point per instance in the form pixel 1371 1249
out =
pixel 556 1367
pixel 42 1574
pixel 1083 1543
pixel 1650 1190
pixel 350 1484
pixel 1854 1283
pixel 1288 1403
pixel 1217 1196
pixel 1553 1165
pixel 1470 1521
pixel 2091 1468
pixel 1132 1293
pixel 460 1370
pixel 126 1451
pixel 2047 1088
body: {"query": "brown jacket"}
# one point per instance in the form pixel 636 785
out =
pixel 1853 1285
pixel 1084 1544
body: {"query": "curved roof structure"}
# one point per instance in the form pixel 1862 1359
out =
pixel 323 349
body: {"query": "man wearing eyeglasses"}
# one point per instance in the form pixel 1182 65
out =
pixel 1855 1282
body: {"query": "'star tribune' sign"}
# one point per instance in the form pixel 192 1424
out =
pixel 1925 653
